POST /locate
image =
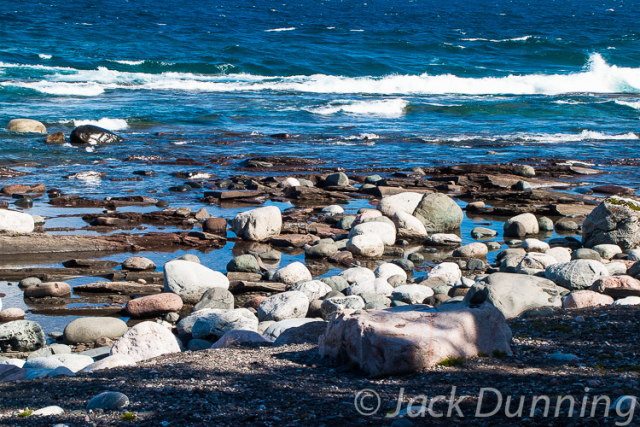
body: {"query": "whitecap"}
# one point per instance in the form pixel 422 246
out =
pixel 45 56
pixel 125 62
pixel 632 104
pixel 277 30
pixel 386 107
pixel 60 88
pixel 596 77
pixel 106 123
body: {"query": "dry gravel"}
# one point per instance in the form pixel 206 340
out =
pixel 292 385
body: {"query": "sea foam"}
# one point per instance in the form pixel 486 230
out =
pixel 596 77
pixel 387 107
pixel 106 123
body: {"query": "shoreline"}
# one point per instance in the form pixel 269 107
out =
pixel 141 226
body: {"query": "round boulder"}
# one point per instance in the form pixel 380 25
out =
pixel 287 305
pixel 89 329
pixel 26 126
pixel 293 273
pixel 366 245
pixel 438 212
pixel 526 222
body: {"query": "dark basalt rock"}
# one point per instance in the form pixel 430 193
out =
pixel 91 135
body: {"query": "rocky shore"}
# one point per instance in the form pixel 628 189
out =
pixel 318 302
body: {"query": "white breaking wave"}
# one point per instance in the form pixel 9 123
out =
pixel 363 136
pixel 387 108
pixel 632 104
pixel 585 135
pixel 125 62
pixel 106 123
pixel 60 88
pixel 514 39
pixel 596 77
pixel 277 30
pixel 44 56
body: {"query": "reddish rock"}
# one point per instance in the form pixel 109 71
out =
pixel 21 188
pixel 586 299
pixel 154 305
pixel 254 302
pixel 215 226
pixel 48 289
pixel 15 188
pixel 9 314
pixel 606 282
pixel 295 240
pixel 614 189
pixel 56 138
pixel 408 339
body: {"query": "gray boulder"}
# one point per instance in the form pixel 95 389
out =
pixel 21 335
pixel 109 400
pixel 218 322
pixel 239 338
pixel 215 298
pixel 330 306
pixel 190 280
pixel 287 305
pixel 514 294
pixel 89 329
pixel 244 263
pixel 439 213
pixel 615 221
pixel 339 179
pixel 576 275
pixel 307 333
pixel 275 329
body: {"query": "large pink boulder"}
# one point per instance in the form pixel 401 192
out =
pixel 586 299
pixel 606 282
pixel 408 339
pixel 154 305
